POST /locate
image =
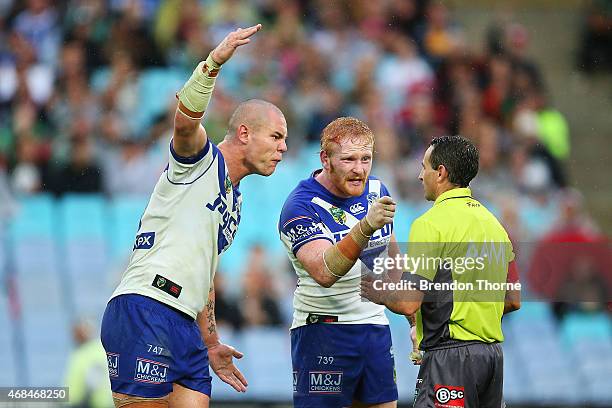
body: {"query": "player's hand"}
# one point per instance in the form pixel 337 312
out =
pixel 221 361
pixel 368 291
pixel 416 356
pixel 381 212
pixel 233 40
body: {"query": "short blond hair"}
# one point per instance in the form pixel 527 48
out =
pixel 345 128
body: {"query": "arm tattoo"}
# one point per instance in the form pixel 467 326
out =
pixel 210 314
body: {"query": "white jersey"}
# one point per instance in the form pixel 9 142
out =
pixel 311 212
pixel 191 218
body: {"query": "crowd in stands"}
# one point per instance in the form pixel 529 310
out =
pixel 87 95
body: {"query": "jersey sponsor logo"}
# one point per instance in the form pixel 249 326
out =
pixel 150 371
pixel 113 364
pixel 295 381
pixel 318 318
pixel 167 286
pixel 373 196
pixel 357 208
pixel 325 382
pixel 448 396
pixel 144 240
pixel 229 221
pixel 302 229
pixel 338 215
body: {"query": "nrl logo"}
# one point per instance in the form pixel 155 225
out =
pixel 161 282
pixel 338 215
pixel 228 184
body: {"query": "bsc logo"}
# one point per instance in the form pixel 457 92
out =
pixel 448 396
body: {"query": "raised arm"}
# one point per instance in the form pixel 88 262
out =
pixel 189 135
pixel 326 263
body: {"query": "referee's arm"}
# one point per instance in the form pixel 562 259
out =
pixel 401 303
pixel 512 302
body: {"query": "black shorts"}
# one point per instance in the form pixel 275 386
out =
pixel 469 376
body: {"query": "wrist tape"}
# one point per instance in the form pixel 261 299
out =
pixel 195 94
pixel 340 257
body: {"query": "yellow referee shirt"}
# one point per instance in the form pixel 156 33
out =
pixel 460 255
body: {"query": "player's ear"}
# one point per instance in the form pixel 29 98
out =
pixel 324 159
pixel 243 133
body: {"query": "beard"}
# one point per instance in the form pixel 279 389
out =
pixel 352 186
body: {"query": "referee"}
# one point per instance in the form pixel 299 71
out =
pixel 460 300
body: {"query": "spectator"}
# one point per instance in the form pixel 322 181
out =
pixel 572 251
pixel 81 173
pixel 596 48
pixel 39 25
pixel 120 94
pixel 260 304
pixel 439 37
pixel 228 313
pixel 87 373
pixel 585 289
pixel 402 71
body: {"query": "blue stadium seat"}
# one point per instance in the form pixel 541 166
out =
pixel 83 251
pixel 516 380
pixel 266 366
pixel 538 218
pixel 47 344
pixel 577 327
pixel 123 221
pixel 156 89
pixel 404 217
pixel 269 373
pixel 32 231
pixel 7 356
pixel 35 255
pixel 82 217
pixel 308 159
pixel 406 372
pixel 34 219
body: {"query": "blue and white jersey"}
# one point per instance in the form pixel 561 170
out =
pixel 191 218
pixel 311 212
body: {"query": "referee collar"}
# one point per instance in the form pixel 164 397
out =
pixel 462 192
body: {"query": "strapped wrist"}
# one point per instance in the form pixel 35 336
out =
pixel 195 94
pixel 211 66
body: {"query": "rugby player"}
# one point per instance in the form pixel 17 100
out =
pixel 332 224
pixel 159 326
